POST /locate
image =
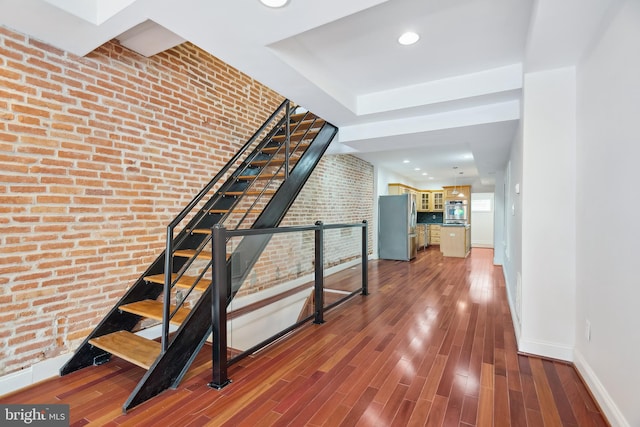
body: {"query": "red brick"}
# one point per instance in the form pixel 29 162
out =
pixel 129 157
pixel 26 109
pixel 54 199
pixel 15 200
pixel 27 337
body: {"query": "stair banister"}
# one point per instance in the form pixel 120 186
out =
pixel 168 264
pixel 219 298
pixel 365 258
pixel 287 141
pixel 168 268
pixel 168 361
pixel 224 170
pixel 285 165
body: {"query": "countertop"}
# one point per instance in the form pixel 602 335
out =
pixel 444 225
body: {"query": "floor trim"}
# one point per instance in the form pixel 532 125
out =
pixel 599 393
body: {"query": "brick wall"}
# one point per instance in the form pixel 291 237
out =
pixel 339 191
pixel 97 155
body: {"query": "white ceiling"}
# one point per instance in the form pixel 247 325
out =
pixel 452 99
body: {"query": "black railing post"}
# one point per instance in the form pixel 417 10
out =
pixel 219 307
pixel 287 140
pixel 319 273
pixel 365 258
pixel 166 308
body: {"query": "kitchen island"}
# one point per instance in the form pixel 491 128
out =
pixel 455 240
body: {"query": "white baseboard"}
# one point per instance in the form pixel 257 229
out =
pixel 600 394
pixel 40 371
pixel 538 348
pixel 546 349
pixel 482 245
pixel 50 368
pixel 514 318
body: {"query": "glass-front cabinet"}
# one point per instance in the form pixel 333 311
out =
pixel 437 201
pixel 424 201
pixel 427 200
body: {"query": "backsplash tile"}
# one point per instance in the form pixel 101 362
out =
pixel 428 217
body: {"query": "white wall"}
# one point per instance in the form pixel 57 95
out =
pixel 482 230
pixel 608 233
pixel 384 177
pixel 548 213
pixel 512 213
pixel 499 219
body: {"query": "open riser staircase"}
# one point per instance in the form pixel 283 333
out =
pixel 254 190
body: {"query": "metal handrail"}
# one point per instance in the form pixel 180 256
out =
pixel 285 165
pixel 168 264
pixel 220 296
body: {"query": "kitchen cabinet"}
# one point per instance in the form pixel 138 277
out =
pixel 437 201
pixel 421 230
pixel 464 189
pixel 397 189
pixel 455 241
pixel 467 238
pixel 431 201
pixel 434 234
pixel 424 201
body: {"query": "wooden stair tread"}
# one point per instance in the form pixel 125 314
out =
pixel 299 148
pixel 297 135
pixel 251 193
pixel 300 132
pixel 204 231
pixel 262 176
pixel 184 282
pixel 190 253
pixel 130 347
pixel 153 310
pixel 296 117
pixel 306 123
pixel 274 162
pixel 238 211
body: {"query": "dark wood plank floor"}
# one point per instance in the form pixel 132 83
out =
pixel 433 344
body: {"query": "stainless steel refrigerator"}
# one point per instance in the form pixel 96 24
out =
pixel 397 238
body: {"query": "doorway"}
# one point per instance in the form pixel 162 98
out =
pixel 482 211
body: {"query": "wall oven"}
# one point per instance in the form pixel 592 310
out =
pixel 456 212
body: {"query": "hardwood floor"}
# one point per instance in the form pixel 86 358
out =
pixel 433 344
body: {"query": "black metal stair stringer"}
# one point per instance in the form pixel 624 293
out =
pixel 187 341
pixel 246 254
pixel 118 320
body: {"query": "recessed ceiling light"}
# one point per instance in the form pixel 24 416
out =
pixel 424 174
pixel 430 177
pixel 405 161
pixel 274 3
pixel 408 38
pixel 416 169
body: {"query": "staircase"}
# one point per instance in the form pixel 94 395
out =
pixel 254 190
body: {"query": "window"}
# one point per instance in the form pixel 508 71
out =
pixel 481 205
